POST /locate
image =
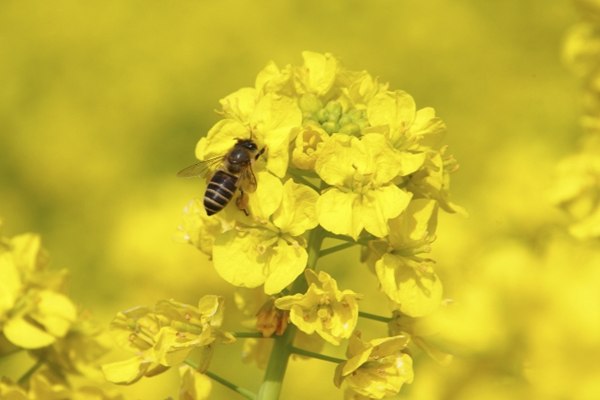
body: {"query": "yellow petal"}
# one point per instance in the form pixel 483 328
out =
pixel 22 333
pixel 287 262
pixel 415 224
pixel 194 385
pixel 308 144
pixel 220 139
pixel 337 158
pixel 380 205
pixel 388 163
pixel 26 252
pixel 126 371
pixel 240 104
pixel 335 211
pixel 52 319
pixel 297 212
pixel 267 197
pixel 239 257
pixel 415 288
pixel 273 121
pixel 318 73
pixel 393 109
pixel 273 79
pixel 428 126
pixel 56 312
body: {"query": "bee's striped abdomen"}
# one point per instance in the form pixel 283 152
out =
pixel 220 191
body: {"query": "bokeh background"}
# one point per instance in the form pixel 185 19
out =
pixel 101 103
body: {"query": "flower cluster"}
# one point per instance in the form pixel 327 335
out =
pixel 577 188
pixel 166 336
pixel 38 317
pixel 34 311
pixel 346 158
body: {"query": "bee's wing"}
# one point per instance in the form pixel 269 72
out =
pixel 201 168
pixel 248 180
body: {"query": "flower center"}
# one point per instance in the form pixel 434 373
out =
pixel 332 117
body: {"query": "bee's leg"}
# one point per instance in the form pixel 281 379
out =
pixel 260 153
pixel 242 202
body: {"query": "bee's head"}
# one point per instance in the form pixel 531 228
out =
pixel 247 144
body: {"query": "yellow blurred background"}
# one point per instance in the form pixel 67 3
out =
pixel 102 102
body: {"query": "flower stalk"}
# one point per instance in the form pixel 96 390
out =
pixel 282 348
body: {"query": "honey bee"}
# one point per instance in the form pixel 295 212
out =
pixel 232 172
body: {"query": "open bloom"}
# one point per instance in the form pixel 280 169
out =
pixel 271 252
pixel 33 311
pixel 377 368
pixel 165 336
pixel 268 119
pixel 324 309
pixel 363 193
pixel 405 276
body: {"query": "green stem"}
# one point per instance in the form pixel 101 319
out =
pixel 363 240
pixel 255 335
pixel 318 356
pixel 374 317
pixel 240 390
pixel 25 378
pixel 270 389
pixel 335 249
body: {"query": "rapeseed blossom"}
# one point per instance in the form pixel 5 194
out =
pixel 34 312
pixel 347 158
pixel 165 336
pixel 324 309
pixel 37 316
pixel 376 369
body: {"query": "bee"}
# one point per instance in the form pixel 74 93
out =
pixel 233 172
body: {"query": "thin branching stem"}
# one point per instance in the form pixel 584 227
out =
pixel 244 335
pixel 247 394
pixel 335 249
pixel 374 317
pixel 27 375
pixel 318 356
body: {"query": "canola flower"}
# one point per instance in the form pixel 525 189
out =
pixel 346 159
pixel 37 317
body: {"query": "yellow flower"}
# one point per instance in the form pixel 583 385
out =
pixel 405 276
pixel 79 351
pixel 432 181
pixel 377 368
pixel 269 119
pixel 165 337
pixel 420 332
pixel 317 75
pixel 358 88
pixel 194 385
pixel 269 253
pixel 363 196
pixel 199 229
pixel 395 115
pixel 275 80
pixel 323 309
pixel 307 146
pixel 33 313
